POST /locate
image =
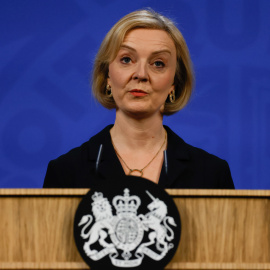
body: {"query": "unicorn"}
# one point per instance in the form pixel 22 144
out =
pixel 159 222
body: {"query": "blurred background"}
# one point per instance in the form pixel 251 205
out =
pixel 47 48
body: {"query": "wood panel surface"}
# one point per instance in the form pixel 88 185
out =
pixel 220 229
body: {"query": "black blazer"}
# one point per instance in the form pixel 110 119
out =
pixel 188 166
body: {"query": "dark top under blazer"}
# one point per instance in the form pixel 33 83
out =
pixel 188 166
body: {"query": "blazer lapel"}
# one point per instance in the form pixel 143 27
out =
pixel 178 157
pixel 109 165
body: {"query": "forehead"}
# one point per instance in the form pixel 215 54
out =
pixel 158 39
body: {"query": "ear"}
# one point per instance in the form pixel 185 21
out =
pixel 172 88
pixel 108 80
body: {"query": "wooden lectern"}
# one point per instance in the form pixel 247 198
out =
pixel 221 229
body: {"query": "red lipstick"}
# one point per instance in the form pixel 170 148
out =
pixel 138 93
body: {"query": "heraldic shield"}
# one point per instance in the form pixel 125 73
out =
pixel 127 223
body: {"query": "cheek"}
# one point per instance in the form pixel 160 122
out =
pixel 117 78
pixel 164 83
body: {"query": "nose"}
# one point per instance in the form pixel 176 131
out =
pixel 141 73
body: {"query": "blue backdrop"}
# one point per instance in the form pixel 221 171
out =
pixel 46 108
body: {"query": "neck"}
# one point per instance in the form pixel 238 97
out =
pixel 139 133
pixel 139 144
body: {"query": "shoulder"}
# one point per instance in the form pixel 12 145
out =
pixel 60 171
pixel 206 169
pixel 206 158
pixel 87 150
pixel 75 164
pixel 188 151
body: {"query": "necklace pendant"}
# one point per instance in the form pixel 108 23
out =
pixel 136 170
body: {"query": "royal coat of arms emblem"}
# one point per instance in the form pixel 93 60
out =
pixel 128 236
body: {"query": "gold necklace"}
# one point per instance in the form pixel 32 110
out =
pixel 140 170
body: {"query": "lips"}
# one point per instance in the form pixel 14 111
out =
pixel 138 93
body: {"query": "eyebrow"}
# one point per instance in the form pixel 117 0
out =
pixel 153 53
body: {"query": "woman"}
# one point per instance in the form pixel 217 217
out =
pixel 144 71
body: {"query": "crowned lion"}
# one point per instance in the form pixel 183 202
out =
pixel 102 212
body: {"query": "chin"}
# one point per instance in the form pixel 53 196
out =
pixel 141 110
pixel 140 114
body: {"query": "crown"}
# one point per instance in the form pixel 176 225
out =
pixel 97 197
pixel 126 203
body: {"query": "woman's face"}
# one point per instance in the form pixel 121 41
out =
pixel 142 74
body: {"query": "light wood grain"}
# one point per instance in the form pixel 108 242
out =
pixel 221 229
pixel 173 192
pixel 44 265
pixel 37 229
pixel 224 230
pixel 173 266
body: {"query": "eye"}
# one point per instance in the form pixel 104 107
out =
pixel 125 60
pixel 159 64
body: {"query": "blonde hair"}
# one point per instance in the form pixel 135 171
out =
pixel 148 19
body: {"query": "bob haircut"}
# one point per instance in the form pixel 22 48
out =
pixel 148 19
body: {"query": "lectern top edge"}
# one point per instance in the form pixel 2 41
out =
pixel 172 192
